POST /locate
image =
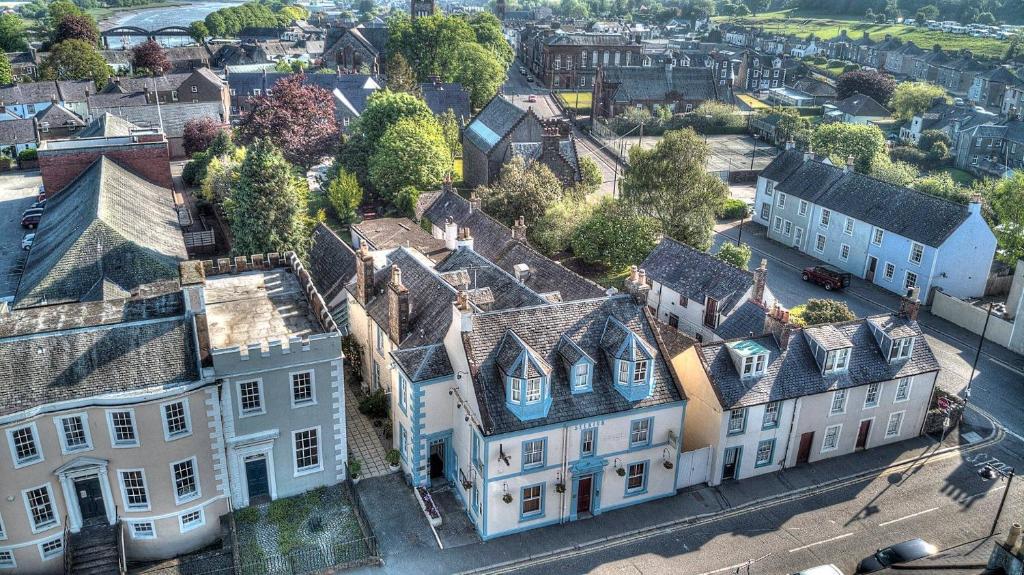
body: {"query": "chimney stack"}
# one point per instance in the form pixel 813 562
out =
pixel 463 312
pixel 465 239
pixel 809 153
pixel 776 322
pixel 519 229
pixel 398 306
pixel 849 163
pixel 474 201
pixel 364 275
pixel 790 144
pixel 636 285
pixel 760 279
pixel 451 232
pixel 910 305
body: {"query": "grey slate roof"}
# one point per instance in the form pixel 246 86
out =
pixel 696 274
pixel 862 105
pixel 493 123
pixel 424 363
pixel 130 85
pixel 387 233
pixel 794 373
pixel 481 273
pixel 542 328
pixel 332 263
pixel 441 97
pixel 173 116
pixel 493 240
pixel 45 91
pixel 58 116
pixel 107 125
pixel 649 83
pixel 108 224
pixel 133 344
pixel 746 319
pixel 783 165
pixel 587 39
pixel 20 131
pixel 350 91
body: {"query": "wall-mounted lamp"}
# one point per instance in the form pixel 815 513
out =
pixel 665 459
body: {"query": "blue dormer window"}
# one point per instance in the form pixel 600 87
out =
pixel 640 372
pixel 533 390
pixel 527 379
pixel 581 377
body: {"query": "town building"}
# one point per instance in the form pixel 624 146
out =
pixel 360 49
pixel 989 88
pixel 892 236
pixel 855 109
pixel 950 119
pixel 992 149
pixel 24 101
pixel 349 91
pixel 562 60
pixel 759 72
pixel 57 122
pixel 443 96
pixel 680 89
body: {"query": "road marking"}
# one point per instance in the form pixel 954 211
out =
pixel 836 538
pixel 907 517
pixel 738 565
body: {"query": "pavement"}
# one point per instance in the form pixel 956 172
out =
pixel 18 190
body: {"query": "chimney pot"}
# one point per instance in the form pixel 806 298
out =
pixel 364 275
pixel 849 163
pixel 398 307
pixel 910 305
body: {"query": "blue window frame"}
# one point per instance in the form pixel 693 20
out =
pixel 640 432
pixel 588 442
pixel 765 453
pixel 531 502
pixel 535 453
pixel 402 402
pixel 636 478
pixel 772 411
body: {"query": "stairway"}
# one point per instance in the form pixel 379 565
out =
pixel 94 550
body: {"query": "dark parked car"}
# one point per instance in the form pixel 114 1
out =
pixel 899 553
pixel 826 276
pixel 40 204
pixel 31 219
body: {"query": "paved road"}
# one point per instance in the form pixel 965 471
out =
pixel 17 192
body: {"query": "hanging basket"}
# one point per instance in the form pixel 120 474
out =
pixel 668 464
pixel 560 487
pixel 621 471
pixel 507 498
pixel 467 485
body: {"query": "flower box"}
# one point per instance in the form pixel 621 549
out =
pixel 429 508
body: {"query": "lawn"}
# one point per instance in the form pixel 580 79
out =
pixel 752 102
pixel 959 176
pixel 457 171
pixel 783 22
pixel 576 100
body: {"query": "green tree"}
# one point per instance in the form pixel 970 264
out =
pixel 6 72
pixel 897 173
pixel 344 194
pixel 819 311
pixel 553 231
pixel 789 123
pixel 383 109
pixel 198 31
pixel 57 11
pixel 12 33
pixel 480 72
pixel 265 208
pixel 75 60
pixel 521 190
pixel 669 183
pixel 412 152
pixel 1007 202
pixel 928 12
pixel 615 236
pixel 488 33
pixel 913 98
pixel 941 184
pixel 736 255
pixel 929 138
pixel 592 176
pixel 450 131
pixel 221 175
pixel 837 141
pixel 430 44
pixel 401 78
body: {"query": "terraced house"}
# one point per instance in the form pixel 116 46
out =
pixel 892 236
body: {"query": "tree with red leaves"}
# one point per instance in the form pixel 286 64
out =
pixel 297 117
pixel 875 84
pixel 77 27
pixel 198 134
pixel 151 56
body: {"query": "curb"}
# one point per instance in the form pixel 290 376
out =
pixel 795 494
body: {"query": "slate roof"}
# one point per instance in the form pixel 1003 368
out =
pixel 107 125
pixel 58 116
pixel 794 373
pixel 828 336
pixel 587 39
pixel 45 91
pixel 650 83
pixel 129 85
pixel 862 105
pixel 441 97
pixel 493 123
pixel 542 329
pixel 20 131
pixel 107 225
pixel 493 240
pixel 814 87
pixel 783 165
pixel 133 345
pixel 332 263
pixel 746 319
pixel 481 273
pixel 172 116
pixel 915 215
pixel 424 363
pixel 350 91
pixel 1001 74
pixel 387 233
pixel 696 274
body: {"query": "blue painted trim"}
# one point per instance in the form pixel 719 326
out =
pixel 515 530
pixel 402 390
pixel 739 461
pixel 403 441
pixel 588 465
pixel 543 454
pixel 771 454
pixel 650 433
pixel 543 495
pixel 529 471
pixel 597 477
pixel 528 410
pixel 636 501
pixel 449 454
pixel 614 454
pixel 589 387
pixel 592 431
pixel 418 405
pixel 647 473
pixel 574 422
pixel 742 429
pixel 778 416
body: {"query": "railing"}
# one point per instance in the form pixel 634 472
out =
pixel 122 559
pixel 67 546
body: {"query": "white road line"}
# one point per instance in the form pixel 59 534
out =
pixel 838 537
pixel 907 517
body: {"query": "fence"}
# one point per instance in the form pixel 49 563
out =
pixel 336 555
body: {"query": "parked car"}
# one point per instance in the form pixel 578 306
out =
pixel 821 570
pixel 26 242
pixel 40 204
pixel 32 210
pixel 900 553
pixel 828 277
pixel 31 220
pixel 529 78
pixel 531 98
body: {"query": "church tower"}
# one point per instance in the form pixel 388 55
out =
pixel 420 8
pixel 499 9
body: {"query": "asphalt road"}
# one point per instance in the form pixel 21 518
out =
pixel 17 191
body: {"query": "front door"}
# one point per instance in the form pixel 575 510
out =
pixel 804 454
pixel 584 494
pixel 710 311
pixel 256 479
pixel 731 464
pixel 862 434
pixel 673 320
pixel 798 238
pixel 437 459
pixel 872 265
pixel 90 499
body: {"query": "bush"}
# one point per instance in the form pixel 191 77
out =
pixel 736 255
pixel 909 155
pixel 393 457
pixel 194 171
pixel 851 68
pixel 354 468
pixel 247 515
pixel 732 209
pixel 28 154
pixel 375 404
pixel 818 311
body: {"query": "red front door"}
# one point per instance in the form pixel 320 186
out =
pixel 862 434
pixel 804 454
pixel 583 494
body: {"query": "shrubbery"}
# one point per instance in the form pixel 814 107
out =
pixel 732 209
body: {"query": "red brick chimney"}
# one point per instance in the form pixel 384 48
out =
pixel 776 322
pixel 910 304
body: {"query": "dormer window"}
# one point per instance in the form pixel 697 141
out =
pixel 754 365
pixel 901 348
pixel 527 379
pixel 640 372
pixel 581 377
pixel 533 390
pixel 630 359
pixel 837 360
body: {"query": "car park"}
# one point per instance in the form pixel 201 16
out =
pixel 896 554
pixel 829 277
pixel 31 220
pixel 26 242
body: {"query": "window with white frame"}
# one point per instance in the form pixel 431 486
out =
pixel 640 372
pixel 307 450
pixel 737 420
pixel 778 224
pixel 876 237
pixel 186 481
pixel 892 429
pixel 531 500
pixel 769 188
pixel 903 389
pixel 640 432
pixel 764 453
pixel 52 548
pixel 623 372
pixel 802 210
pixel 133 490
pixel 910 280
pixel 844 252
pixel 516 390
pixel 831 440
pixel 848 226
pixel 819 243
pixel 122 428
pixel 874 391
pixel 771 415
pixel 533 453
pixel 826 215
pixel 176 420
pixel 754 365
pixel 837 359
pixel 901 348
pixel 888 271
pixel 787 228
pixel 39 503
pixel 143 530
pixel 587 441
pixel 838 402
pixel 636 477
pixel 380 339
pixel 582 375
pixel 24 448
pixel 74 433
pixel 302 388
pixel 782 200
pixel 191 520
pixel 7 559
pixel 916 252
pixel 533 390
pixel 250 398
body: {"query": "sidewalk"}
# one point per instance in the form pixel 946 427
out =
pixel 406 539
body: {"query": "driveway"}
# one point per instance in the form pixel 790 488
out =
pixel 17 192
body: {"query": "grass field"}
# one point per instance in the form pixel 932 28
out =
pixel 785 22
pixel 752 102
pixel 959 176
pixel 576 100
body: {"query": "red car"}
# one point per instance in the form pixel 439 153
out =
pixel 31 220
pixel 531 98
pixel 826 276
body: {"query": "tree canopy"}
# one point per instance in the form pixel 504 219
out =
pixel 383 109
pixel 819 311
pixel 615 236
pixel 344 194
pixel 412 152
pixel 480 72
pixel 1007 202
pixel 77 27
pixel 736 255
pixel 521 190
pixel 6 72
pixel 913 98
pixel 838 141
pixel 151 56
pixel 12 33
pixel 199 133
pixel 878 85
pixel 75 60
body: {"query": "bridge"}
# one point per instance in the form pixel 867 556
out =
pixel 135 31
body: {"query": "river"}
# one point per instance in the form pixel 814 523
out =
pixel 155 18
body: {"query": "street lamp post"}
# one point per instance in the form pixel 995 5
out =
pixel 989 473
pixel 974 364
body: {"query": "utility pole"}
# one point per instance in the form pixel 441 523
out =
pixel 974 364
pixel 989 472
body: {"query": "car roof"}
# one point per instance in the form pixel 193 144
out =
pixel 821 570
pixel 912 546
